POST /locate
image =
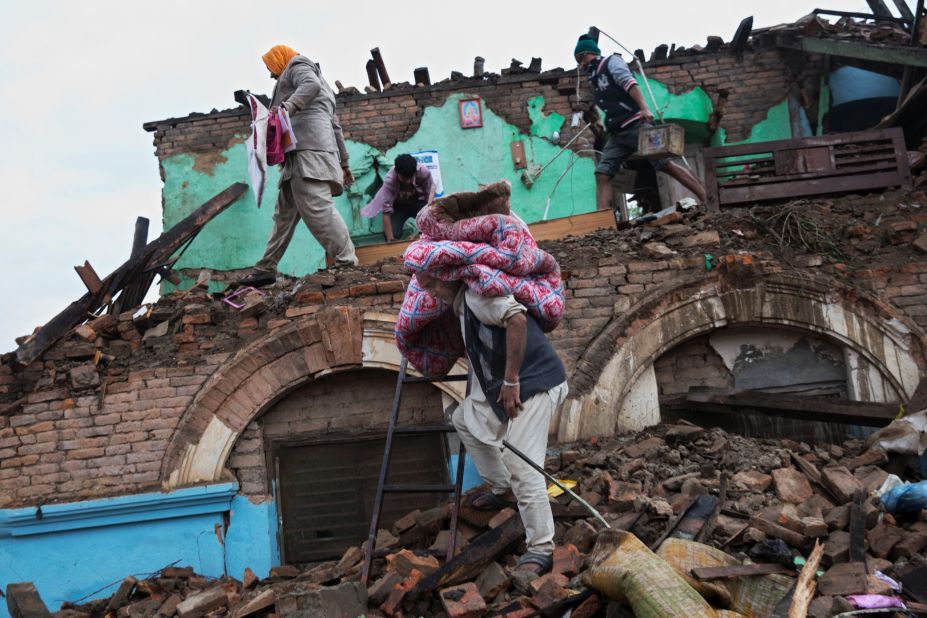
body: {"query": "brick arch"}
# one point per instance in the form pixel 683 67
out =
pixel 335 340
pixel 738 295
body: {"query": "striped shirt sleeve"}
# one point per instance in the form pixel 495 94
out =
pixel 621 72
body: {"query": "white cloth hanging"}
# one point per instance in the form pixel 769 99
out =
pixel 257 148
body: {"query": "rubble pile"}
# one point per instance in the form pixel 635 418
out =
pixel 684 491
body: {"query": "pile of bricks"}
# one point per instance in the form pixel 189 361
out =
pixel 767 495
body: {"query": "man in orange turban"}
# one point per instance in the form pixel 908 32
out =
pixel 315 171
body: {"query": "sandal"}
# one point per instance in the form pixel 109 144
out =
pixel 545 561
pixel 490 501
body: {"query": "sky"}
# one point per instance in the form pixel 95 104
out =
pixel 78 79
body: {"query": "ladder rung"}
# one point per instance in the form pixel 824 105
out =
pixel 417 488
pixel 424 429
pixel 453 378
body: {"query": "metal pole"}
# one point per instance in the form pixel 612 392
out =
pixel 525 458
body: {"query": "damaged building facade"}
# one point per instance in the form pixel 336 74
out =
pixel 196 433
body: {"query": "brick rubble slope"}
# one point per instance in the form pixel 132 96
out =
pixel 640 482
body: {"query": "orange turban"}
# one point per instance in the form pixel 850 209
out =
pixel 278 57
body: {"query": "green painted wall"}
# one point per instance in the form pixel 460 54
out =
pixel 469 158
pixel 236 238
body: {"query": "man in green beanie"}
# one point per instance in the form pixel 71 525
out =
pixel 618 95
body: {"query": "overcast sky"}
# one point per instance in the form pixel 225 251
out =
pixel 78 79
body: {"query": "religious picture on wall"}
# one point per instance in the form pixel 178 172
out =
pixel 471 113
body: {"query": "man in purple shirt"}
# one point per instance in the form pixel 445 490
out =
pixel 405 191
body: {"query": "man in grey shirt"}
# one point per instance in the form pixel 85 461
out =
pixel 314 172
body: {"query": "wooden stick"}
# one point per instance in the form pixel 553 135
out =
pixel 804 588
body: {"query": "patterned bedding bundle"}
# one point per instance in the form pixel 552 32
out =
pixel 474 238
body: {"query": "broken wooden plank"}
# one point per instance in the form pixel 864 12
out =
pixel 740 570
pixel 90 277
pixel 158 251
pixel 806 584
pixel 470 561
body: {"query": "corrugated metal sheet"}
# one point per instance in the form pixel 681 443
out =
pixel 327 491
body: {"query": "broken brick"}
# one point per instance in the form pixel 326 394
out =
pixel 883 538
pixel 751 480
pixel 258 604
pixel 287 570
pixel 352 557
pixel 791 485
pixel 23 601
pixel 463 601
pixel 84 376
pixel 549 591
pixel 381 588
pixel 492 580
pixel 557 578
pixel 248 579
pixel 406 561
pixel 581 534
pixel 567 560
pixel 392 606
pixel 841 482
pixel 202 603
pixel 911 545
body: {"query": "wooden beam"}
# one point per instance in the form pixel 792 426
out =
pixel 576 225
pixel 140 238
pixel 878 8
pixel 553 229
pixel 472 558
pixel 874 52
pixel 90 277
pixel 156 252
pixel 792 406
pixel 740 570
pixel 904 10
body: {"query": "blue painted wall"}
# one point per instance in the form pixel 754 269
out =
pixel 251 540
pixel 85 549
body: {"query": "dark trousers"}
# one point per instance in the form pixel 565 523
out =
pixel 402 212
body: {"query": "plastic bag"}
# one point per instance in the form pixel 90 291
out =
pixel 906 499
pixel 905 436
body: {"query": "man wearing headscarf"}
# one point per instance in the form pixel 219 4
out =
pixel 314 172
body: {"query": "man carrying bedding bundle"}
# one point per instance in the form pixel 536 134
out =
pixel 520 382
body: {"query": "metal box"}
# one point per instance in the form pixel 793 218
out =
pixel 660 141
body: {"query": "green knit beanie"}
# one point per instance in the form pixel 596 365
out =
pixel 585 45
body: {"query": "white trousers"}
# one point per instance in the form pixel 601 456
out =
pixel 482 433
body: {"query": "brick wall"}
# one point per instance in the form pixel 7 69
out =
pixel 348 403
pixel 752 83
pixel 694 363
pixel 71 430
